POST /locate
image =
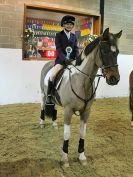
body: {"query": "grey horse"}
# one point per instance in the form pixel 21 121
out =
pixel 76 91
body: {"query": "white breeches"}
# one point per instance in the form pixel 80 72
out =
pixel 55 71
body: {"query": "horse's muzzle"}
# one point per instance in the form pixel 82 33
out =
pixel 112 75
pixel 112 80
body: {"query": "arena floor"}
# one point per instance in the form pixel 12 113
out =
pixel 26 150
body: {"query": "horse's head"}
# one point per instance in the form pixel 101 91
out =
pixel 108 54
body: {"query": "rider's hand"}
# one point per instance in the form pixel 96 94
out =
pixel 68 61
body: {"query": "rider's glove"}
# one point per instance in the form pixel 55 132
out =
pixel 68 61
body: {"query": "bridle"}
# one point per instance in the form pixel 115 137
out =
pixel 93 92
pixel 99 77
pixel 102 55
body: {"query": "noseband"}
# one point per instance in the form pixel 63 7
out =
pixel 109 66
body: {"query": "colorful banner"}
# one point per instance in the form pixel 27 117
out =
pixel 85 32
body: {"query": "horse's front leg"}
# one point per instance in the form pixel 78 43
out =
pixel 54 117
pixel 42 115
pixel 83 123
pixel 67 121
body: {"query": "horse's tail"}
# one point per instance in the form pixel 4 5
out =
pixel 131 91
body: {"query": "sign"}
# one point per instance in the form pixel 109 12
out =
pixel 51 54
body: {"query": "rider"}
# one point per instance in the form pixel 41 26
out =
pixel 63 39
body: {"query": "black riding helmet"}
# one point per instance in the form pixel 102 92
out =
pixel 67 19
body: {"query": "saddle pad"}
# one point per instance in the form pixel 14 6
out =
pixel 47 76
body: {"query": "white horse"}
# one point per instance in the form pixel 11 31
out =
pixel 76 91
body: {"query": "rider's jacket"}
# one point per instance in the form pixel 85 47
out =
pixel 61 42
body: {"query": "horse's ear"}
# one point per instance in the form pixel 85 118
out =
pixel 118 35
pixel 106 33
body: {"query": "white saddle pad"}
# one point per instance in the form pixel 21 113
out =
pixel 48 76
pixel 65 74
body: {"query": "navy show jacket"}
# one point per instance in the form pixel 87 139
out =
pixel 61 42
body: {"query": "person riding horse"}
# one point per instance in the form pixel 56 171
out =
pixel 76 91
pixel 63 39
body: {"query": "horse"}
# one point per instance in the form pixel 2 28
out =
pixel 131 95
pixel 76 92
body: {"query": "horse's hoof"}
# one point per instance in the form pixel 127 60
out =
pixel 42 125
pixel 83 162
pixel 64 164
pixel 132 124
pixel 55 125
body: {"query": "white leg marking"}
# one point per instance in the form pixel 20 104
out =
pixel 42 123
pixel 82 129
pixel 66 132
pixel 82 156
pixel 64 156
pixel 82 159
pixel 64 159
pixel 54 124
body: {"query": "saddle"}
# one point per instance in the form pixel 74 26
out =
pixel 58 79
pixel 57 82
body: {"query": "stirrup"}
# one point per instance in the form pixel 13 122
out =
pixel 49 100
pixel 49 104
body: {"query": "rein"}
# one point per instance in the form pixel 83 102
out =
pixel 93 93
pixel 97 75
pixel 82 99
pixel 102 55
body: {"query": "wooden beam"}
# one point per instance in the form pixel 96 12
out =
pixel 63 9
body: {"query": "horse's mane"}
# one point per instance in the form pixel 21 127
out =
pixel 88 49
pixel 91 46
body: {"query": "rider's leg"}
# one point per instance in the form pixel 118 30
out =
pixel 49 92
pixel 55 70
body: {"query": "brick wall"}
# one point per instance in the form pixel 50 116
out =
pixel 12 12
pixel 119 15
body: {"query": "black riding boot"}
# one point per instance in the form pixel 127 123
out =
pixel 49 92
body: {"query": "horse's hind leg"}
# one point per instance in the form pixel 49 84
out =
pixel 83 122
pixel 42 115
pixel 67 121
pixel 132 119
pixel 54 123
pixel 131 104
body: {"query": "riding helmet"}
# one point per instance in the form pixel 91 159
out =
pixel 67 19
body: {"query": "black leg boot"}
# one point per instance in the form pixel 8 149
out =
pixel 49 93
pixel 49 106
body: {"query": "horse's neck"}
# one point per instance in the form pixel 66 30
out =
pixel 88 65
pixel 90 68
